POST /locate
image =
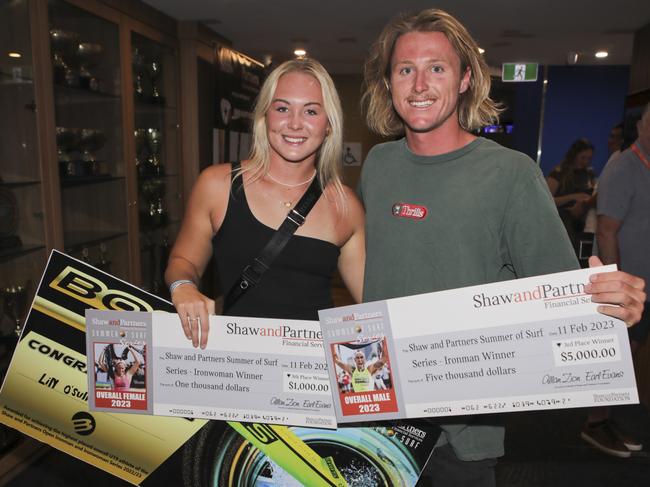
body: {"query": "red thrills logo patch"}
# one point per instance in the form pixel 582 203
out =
pixel 405 210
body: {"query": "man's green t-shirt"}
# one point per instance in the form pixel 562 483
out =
pixel 477 215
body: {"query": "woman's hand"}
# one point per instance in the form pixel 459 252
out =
pixel 192 250
pixel 194 310
pixel 578 209
pixel 580 197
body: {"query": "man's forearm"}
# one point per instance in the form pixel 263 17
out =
pixel 607 237
pixel 607 247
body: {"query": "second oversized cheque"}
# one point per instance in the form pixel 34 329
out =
pixel 525 344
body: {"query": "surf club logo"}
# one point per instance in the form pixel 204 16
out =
pixel 407 210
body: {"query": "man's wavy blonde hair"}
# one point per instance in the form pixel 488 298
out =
pixel 475 108
pixel 328 159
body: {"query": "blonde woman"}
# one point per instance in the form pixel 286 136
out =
pixel 297 136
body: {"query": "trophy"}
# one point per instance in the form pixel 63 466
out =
pixel 88 54
pixel 67 141
pixel 138 70
pixel 141 152
pixel 104 264
pixel 154 140
pixel 63 43
pixel 157 212
pixel 153 192
pixel 91 141
pixel 15 304
pixel 154 71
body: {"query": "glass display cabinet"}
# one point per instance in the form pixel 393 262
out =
pixel 157 155
pixel 87 88
pixel 90 152
pixel 23 249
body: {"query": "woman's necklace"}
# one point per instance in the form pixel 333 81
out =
pixel 289 203
pixel 288 185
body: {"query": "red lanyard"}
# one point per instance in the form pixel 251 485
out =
pixel 640 155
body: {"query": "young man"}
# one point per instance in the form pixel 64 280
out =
pixel 445 209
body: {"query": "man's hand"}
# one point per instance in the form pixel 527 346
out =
pixel 622 293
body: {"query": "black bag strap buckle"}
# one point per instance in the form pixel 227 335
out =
pixel 296 217
pixel 252 274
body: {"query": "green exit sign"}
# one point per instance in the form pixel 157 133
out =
pixel 519 72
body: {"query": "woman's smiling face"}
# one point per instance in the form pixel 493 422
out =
pixel 296 121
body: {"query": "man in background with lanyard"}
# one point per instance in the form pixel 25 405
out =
pixel 623 237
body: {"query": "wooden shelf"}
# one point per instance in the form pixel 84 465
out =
pixel 18 184
pixel 8 79
pixel 77 240
pixel 69 182
pixel 151 103
pixel 68 95
pixel 14 252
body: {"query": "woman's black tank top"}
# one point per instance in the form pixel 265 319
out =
pixel 297 284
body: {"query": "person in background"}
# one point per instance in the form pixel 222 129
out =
pixel 623 237
pixel 614 142
pixel 572 185
pixel 445 209
pixel 614 145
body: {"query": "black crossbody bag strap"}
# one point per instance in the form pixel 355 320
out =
pixel 253 272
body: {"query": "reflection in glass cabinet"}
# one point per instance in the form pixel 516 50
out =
pixel 85 55
pixel 155 85
pixel 22 237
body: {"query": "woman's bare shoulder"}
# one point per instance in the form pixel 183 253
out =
pixel 216 173
pixel 346 204
pixel 212 180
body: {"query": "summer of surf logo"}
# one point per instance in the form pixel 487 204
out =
pixel 406 210
pixel 553 296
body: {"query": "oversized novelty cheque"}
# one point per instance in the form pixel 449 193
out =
pixel 520 345
pixel 253 369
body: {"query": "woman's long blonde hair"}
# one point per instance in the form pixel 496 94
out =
pixel 328 158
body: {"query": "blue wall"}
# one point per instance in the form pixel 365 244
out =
pixel 581 101
pixel 527 104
